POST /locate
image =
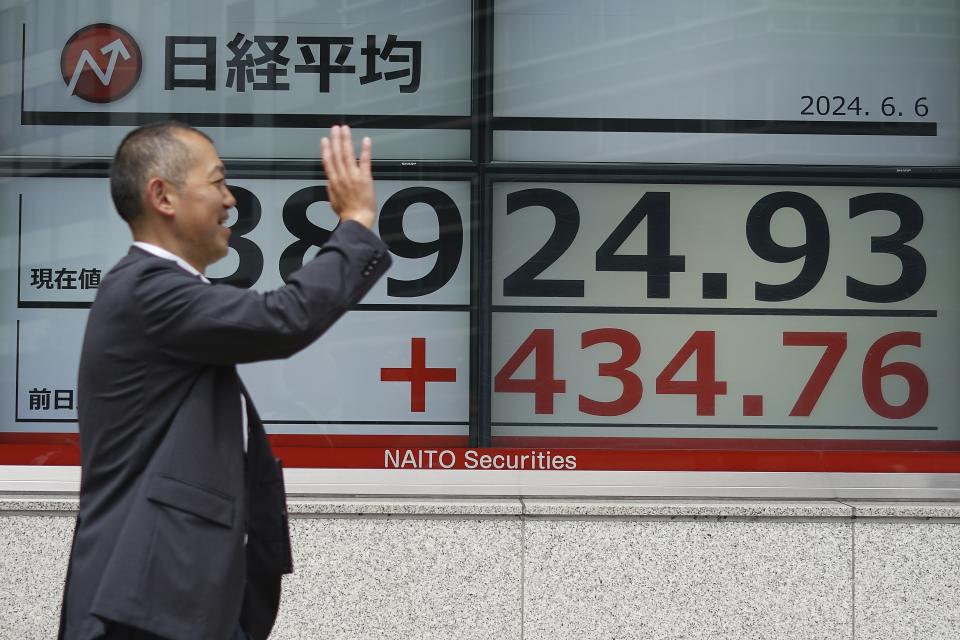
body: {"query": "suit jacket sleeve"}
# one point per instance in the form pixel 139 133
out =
pixel 194 321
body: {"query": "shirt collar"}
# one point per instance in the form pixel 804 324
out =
pixel 160 252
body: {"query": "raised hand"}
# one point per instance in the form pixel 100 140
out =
pixel 349 182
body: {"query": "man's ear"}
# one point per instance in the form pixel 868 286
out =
pixel 161 196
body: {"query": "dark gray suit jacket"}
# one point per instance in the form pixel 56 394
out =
pixel 166 493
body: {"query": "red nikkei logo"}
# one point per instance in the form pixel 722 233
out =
pixel 100 63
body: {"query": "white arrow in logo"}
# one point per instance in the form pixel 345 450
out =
pixel 113 49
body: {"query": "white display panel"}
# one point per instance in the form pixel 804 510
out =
pixel 263 80
pixel 748 82
pixel 681 82
pixel 734 311
pixel 406 344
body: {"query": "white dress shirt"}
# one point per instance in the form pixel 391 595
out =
pixel 160 252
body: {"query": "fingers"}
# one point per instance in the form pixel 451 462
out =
pixel 349 181
pixel 326 155
pixel 336 139
pixel 366 154
pixel 338 155
pixel 349 159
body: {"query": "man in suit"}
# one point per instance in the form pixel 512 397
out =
pixel 182 531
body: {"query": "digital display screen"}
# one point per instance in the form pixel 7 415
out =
pixel 759 82
pixel 738 311
pixel 406 344
pixel 264 82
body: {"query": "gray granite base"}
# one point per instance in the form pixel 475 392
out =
pixel 403 578
pixel 568 569
pixel 692 580
pixel 33 565
pixel 908 581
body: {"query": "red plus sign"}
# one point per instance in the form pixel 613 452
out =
pixel 418 375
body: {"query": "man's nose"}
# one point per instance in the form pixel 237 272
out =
pixel 230 201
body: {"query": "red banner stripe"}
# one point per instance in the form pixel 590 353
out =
pixel 588 454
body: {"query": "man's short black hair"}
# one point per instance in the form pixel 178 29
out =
pixel 153 150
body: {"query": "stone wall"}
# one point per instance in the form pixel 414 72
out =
pixel 557 569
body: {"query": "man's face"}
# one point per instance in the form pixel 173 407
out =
pixel 203 201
